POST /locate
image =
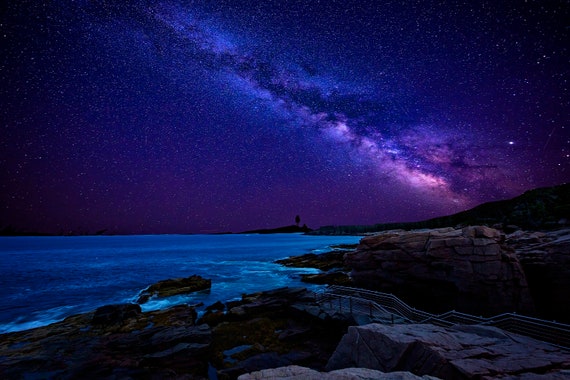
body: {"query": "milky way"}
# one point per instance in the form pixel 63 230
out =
pixel 203 117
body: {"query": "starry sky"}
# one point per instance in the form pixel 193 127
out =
pixel 229 115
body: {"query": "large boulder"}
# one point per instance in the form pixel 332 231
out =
pixel 176 286
pixel 115 314
pixel 295 372
pixel 545 258
pixel 467 269
pixel 458 352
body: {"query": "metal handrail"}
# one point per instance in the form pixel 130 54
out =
pixel 363 306
pixel 386 304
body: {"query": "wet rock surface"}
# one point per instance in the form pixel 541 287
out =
pixel 263 330
pixel 92 345
pixel 323 261
pixel 172 287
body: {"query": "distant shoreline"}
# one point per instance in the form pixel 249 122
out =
pixel 8 232
pixel 544 208
pixel 280 230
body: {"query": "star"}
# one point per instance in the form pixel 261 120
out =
pixel 165 116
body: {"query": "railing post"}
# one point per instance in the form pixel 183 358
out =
pixel 515 323
pixel 350 304
pixel 340 304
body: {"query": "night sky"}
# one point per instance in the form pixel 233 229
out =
pixel 212 116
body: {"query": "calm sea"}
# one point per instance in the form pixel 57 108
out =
pixel 45 279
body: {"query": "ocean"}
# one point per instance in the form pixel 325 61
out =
pixel 45 279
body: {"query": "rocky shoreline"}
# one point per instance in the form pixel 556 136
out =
pixel 475 269
pixel 285 333
pixel 263 330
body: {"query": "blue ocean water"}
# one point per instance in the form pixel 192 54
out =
pixel 45 279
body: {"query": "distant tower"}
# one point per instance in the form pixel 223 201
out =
pixel 297 220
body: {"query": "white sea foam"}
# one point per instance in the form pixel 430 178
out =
pixel 45 279
pixel 38 319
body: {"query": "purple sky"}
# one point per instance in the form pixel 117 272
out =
pixel 175 117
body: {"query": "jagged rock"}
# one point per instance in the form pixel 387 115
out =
pixel 273 328
pixel 115 314
pixel 116 341
pixel 323 261
pixel 294 372
pixel 545 258
pixel 458 352
pixel 181 355
pixel 170 336
pixel 218 306
pixel 269 301
pixel 469 269
pixel 172 287
pixel 334 272
pixel 168 344
pixel 179 315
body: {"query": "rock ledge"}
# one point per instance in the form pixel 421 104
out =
pixel 172 287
